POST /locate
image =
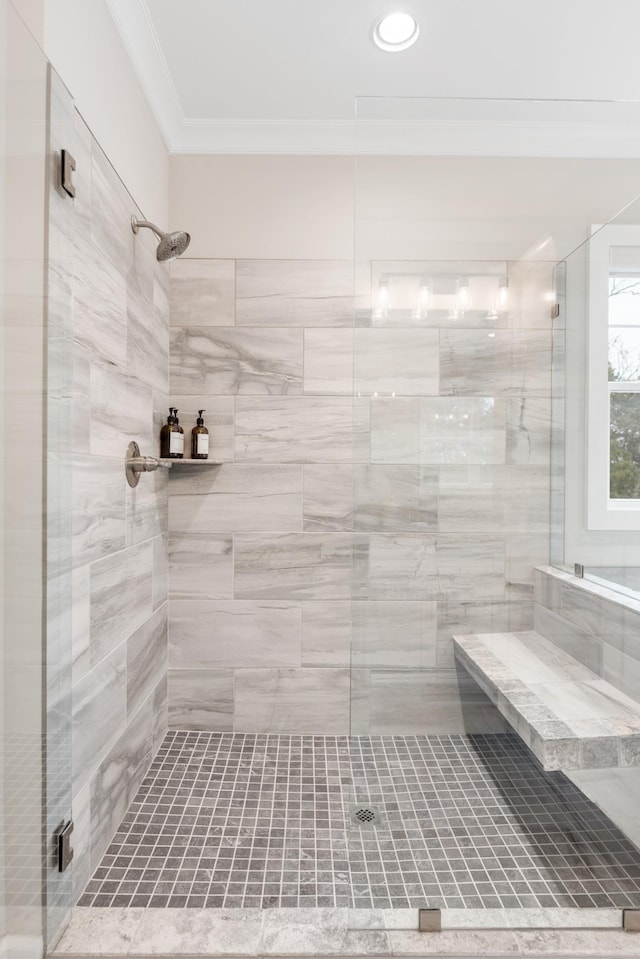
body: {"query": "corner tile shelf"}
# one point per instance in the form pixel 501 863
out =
pixel 184 462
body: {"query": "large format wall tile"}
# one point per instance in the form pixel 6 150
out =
pixel 293 565
pixel 402 498
pixel 528 422
pixel 201 565
pixel 400 362
pixel 328 361
pixel 121 597
pixel 388 703
pixel 232 361
pixel 486 498
pixel 294 292
pixel 504 363
pixel 99 305
pixel 99 713
pixel 207 633
pixel 146 659
pixel 98 519
pixel 292 701
pixel 297 429
pixel 328 497
pixel 201 699
pixel 394 634
pixel 234 498
pixel 121 411
pixel 326 633
pixel 202 292
pixel 438 430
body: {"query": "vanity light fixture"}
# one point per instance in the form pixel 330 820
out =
pixel 395 32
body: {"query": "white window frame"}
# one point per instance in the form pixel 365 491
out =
pixel 603 513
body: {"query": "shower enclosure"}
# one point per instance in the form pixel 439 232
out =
pixel 290 739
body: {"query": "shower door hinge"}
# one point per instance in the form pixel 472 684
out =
pixel 578 570
pixel 67 166
pixel 429 920
pixel 63 845
pixel 555 311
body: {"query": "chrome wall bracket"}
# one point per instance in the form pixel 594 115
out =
pixel 64 852
pixel 67 167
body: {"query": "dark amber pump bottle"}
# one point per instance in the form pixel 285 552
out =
pixel 171 437
pixel 200 439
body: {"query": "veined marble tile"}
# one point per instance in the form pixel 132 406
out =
pixel 147 340
pixel 395 498
pixel 437 430
pixel 120 597
pixel 394 634
pixel 500 498
pixel 449 566
pixel 99 305
pixel 621 670
pixel 585 647
pixel 463 617
pixel 111 209
pixel 421 702
pixel 113 928
pixel 116 781
pixel 524 551
pixel 402 566
pixel 160 713
pixel 237 497
pixel 147 507
pixel 328 361
pixel 201 699
pixel 218 418
pixel 147 655
pixel 99 714
pixel 200 566
pixel 202 292
pixel 326 633
pixel 249 361
pixel 528 421
pixel 160 583
pixel 292 701
pixel 398 362
pixel 328 497
pixel 299 429
pixel 501 363
pixel 294 292
pixel 121 411
pixel 293 565
pixel 206 633
pixel 199 932
pixel 98 519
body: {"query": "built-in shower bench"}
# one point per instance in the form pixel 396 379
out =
pixel 569 717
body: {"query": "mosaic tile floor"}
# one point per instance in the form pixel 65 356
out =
pixel 234 820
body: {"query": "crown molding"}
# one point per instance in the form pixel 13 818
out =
pixel 133 21
pixel 478 138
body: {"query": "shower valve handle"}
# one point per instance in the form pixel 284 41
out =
pixel 135 464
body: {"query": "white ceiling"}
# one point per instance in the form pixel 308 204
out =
pixel 273 76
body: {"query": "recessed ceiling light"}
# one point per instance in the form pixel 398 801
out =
pixel 395 31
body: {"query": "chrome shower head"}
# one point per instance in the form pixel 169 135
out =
pixel 171 245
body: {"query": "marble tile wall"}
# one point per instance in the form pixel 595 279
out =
pixel 114 296
pixel 596 625
pixel 381 483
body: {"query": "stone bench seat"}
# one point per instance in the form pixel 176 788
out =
pixel 569 717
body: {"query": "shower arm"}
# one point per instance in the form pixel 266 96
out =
pixel 136 224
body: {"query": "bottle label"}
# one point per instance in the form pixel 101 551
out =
pixel 176 442
pixel 203 444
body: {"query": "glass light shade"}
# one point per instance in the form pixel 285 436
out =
pixel 395 32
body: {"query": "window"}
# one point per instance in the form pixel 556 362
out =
pixel 614 379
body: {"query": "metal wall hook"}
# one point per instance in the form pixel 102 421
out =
pixel 135 464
